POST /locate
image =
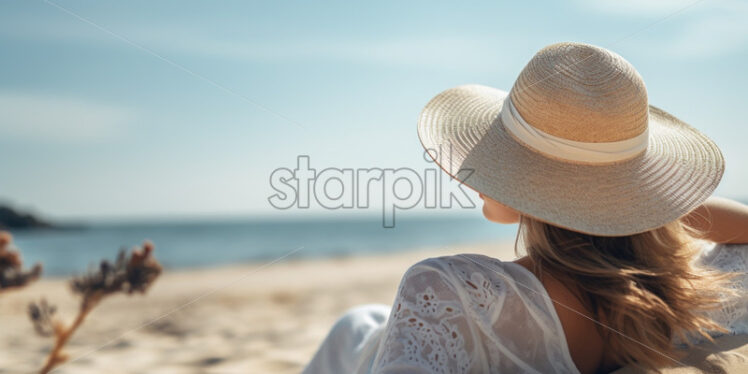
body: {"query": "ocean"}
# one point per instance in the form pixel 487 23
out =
pixel 196 244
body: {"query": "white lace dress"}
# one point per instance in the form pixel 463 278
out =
pixel 475 314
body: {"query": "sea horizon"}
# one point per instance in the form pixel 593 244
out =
pixel 193 243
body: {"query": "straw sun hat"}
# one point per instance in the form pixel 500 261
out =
pixel 575 144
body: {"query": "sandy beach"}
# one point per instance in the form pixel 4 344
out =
pixel 241 319
pixel 259 318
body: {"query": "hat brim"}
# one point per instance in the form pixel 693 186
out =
pixel 462 131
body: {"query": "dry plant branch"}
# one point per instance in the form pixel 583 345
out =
pixel 12 275
pixel 128 274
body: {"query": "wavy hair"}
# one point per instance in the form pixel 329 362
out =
pixel 645 287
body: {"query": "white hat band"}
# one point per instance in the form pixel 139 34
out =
pixel 569 149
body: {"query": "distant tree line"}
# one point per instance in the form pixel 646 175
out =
pixel 13 219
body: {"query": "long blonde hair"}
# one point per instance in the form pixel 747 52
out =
pixel 643 288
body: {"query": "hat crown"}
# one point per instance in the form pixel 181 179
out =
pixel 582 93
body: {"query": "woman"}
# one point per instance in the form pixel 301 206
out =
pixel 612 197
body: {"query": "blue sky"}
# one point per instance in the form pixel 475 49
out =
pixel 162 108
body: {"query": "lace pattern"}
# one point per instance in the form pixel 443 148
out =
pixel 472 314
pixel 729 258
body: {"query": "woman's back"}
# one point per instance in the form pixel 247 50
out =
pixel 475 314
pixel 586 345
pixel 472 314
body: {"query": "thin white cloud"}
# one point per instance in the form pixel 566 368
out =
pixel 712 37
pixel 34 117
pixel 708 29
pixel 436 52
pixel 470 52
pixel 637 7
